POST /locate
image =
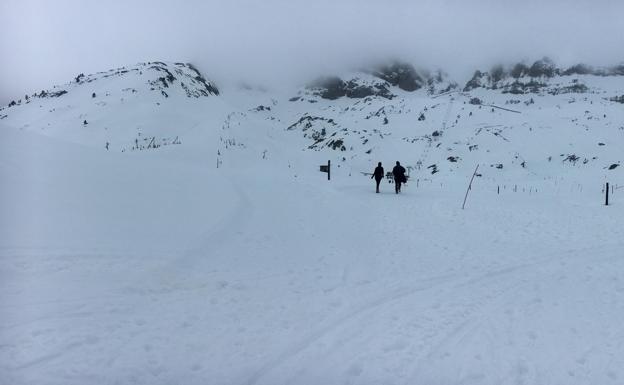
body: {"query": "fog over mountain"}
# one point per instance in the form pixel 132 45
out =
pixel 279 42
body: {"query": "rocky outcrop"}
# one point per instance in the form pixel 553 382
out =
pixel 188 78
pixel 522 78
pixel 334 87
pixel 401 75
pixel 438 82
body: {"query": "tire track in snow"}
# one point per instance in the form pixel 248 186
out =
pixel 224 230
pixel 398 294
pixel 478 312
pixel 312 337
pixel 90 340
pixel 381 301
pixel 470 320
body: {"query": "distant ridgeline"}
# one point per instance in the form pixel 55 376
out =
pixel 377 82
pixel 160 77
pixel 538 77
pixel 529 120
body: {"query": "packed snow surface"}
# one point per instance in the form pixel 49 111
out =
pixel 155 266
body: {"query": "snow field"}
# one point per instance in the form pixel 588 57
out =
pixel 249 279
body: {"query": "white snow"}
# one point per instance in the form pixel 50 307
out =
pixel 157 267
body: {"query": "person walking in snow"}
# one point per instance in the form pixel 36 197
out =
pixel 378 175
pixel 399 176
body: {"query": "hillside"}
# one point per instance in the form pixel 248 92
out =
pixel 538 121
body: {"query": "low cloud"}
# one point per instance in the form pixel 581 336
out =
pixel 282 42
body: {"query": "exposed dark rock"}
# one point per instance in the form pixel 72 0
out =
pixel 333 88
pixel 355 90
pixel 617 99
pixel 475 82
pixel 209 87
pixel 329 87
pixel 539 73
pixel 543 68
pixel 438 83
pixel 518 87
pixel 577 88
pixel 163 80
pixel 616 70
pixel 579 69
pixel 519 70
pixel 401 75
pixel 497 73
pixel 571 158
pixel 337 144
pixel 57 93
pixel 305 122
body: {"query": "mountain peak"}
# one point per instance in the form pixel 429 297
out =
pixel 160 77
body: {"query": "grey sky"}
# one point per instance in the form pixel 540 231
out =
pixel 45 42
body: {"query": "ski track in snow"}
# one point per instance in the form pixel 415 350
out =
pixel 448 338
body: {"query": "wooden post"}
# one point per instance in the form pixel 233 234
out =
pixel 469 186
pixel 328 169
pixel 607 195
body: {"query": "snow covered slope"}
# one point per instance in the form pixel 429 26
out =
pixel 117 107
pixel 527 122
pixel 203 246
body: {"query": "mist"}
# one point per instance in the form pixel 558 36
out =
pixel 280 43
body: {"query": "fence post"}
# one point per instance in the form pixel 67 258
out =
pixel 607 195
pixel 328 169
pixel 469 186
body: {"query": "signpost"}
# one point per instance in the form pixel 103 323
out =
pixel 327 169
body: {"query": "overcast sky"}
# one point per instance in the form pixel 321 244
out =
pixel 45 42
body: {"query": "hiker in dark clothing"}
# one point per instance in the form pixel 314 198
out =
pixel 399 176
pixel 378 175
